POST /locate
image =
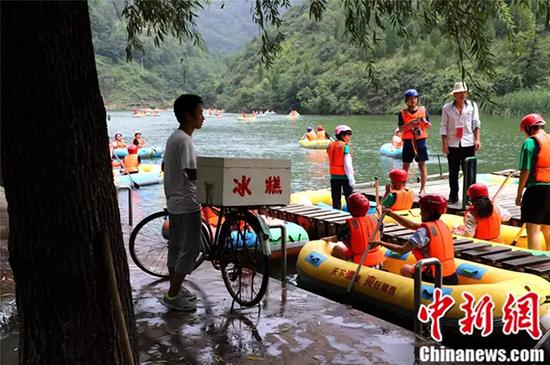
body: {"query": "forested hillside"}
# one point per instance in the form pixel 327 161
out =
pixel 154 77
pixel 318 71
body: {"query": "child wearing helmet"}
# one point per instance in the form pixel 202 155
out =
pixel 413 121
pixel 432 239
pixel 310 135
pixel 132 161
pixel 534 164
pixel 396 140
pixel 340 165
pixel 356 234
pixel 482 219
pixel 321 132
pixel 397 196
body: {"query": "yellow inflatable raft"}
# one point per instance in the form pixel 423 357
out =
pixel 319 144
pixel 312 197
pixel 246 118
pixel 507 233
pixel 386 288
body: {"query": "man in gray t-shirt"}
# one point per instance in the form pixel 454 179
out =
pixel 180 188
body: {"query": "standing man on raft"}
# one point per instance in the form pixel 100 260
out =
pixel 413 122
pixel 460 127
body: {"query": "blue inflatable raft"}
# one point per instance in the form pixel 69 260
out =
pixel 389 150
pixel 143 152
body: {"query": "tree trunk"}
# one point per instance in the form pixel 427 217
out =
pixel 59 188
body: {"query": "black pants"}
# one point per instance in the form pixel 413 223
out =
pixel 336 186
pixel 455 158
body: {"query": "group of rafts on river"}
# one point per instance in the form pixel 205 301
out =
pixel 386 269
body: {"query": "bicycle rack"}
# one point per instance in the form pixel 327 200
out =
pixel 283 251
pixel 130 207
pixel 418 287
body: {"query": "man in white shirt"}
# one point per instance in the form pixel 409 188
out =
pixel 460 127
pixel 180 188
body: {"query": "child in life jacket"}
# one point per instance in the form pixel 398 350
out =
pixel 482 219
pixel 397 196
pixel 340 165
pixel 310 135
pixel 356 234
pixel 432 239
pixel 132 161
pixel 396 140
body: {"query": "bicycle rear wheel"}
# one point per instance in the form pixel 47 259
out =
pixel 149 244
pixel 244 264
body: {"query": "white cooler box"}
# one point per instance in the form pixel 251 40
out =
pixel 243 181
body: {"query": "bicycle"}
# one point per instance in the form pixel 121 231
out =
pixel 239 248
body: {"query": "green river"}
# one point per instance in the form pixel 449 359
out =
pixel 276 137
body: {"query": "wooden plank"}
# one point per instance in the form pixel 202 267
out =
pixel 395 228
pixel 525 261
pixel 462 241
pixel 320 214
pixel 476 253
pixel 470 246
pixel 499 257
pixel 539 269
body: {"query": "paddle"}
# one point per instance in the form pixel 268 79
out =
pixel 518 235
pixel 376 197
pixel 366 252
pixel 134 184
pixel 150 145
pixel 502 186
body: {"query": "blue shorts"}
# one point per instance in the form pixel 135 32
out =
pixel 409 154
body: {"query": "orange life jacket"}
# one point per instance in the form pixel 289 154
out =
pixel 408 117
pixel 321 134
pixel 131 163
pixel 361 229
pixel 488 228
pixel 441 246
pixel 335 152
pixel 209 216
pixel 119 144
pixel 542 168
pixel 403 199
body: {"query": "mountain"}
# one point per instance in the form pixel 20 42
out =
pixel 318 71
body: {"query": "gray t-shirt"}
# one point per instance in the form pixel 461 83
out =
pixel 181 193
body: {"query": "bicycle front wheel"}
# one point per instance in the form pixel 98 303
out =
pixel 244 264
pixel 149 244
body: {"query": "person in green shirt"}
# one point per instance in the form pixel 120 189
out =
pixel 397 196
pixel 534 164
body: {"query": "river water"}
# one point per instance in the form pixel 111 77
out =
pixel 276 137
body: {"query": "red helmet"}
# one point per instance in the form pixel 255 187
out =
pixel 478 190
pixel 433 202
pixel 132 149
pixel 530 120
pixel 358 205
pixel 398 175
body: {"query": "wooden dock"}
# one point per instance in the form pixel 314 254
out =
pixel 320 222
